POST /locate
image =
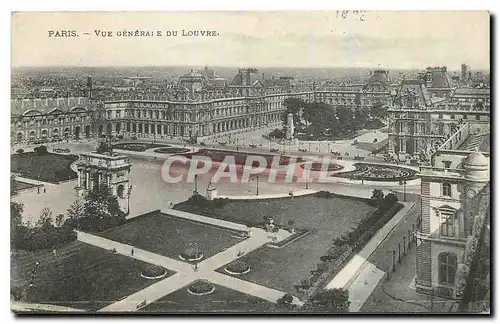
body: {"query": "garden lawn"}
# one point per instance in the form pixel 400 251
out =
pixel 49 167
pixel 169 236
pixel 221 300
pixel 81 276
pixel 326 218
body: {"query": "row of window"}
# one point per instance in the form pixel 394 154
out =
pixel 464 116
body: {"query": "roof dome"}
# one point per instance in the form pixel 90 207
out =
pixel 476 159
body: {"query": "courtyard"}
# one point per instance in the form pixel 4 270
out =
pixel 80 276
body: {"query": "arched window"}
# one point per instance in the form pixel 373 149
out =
pixel 446 189
pixel 447 268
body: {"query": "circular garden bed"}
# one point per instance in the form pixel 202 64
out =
pixel 138 147
pixel 316 166
pixel 191 255
pixel 237 267
pixel 201 288
pixel 154 272
pixel 172 150
pixel 376 172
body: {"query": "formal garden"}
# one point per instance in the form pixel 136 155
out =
pixel 173 237
pixel 326 218
pixel 43 166
pixel 138 147
pixel 172 150
pixel 240 158
pixel 79 276
pixel 378 172
pixel 317 166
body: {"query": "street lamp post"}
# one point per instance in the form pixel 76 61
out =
pixel 195 184
pixel 403 183
pixel 128 199
pixel 257 185
pixel 393 261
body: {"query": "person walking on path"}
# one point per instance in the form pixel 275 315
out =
pixel 132 252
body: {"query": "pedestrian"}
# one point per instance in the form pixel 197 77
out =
pixel 132 252
pixel 54 251
pixel 38 189
pixel 44 190
pixel 196 267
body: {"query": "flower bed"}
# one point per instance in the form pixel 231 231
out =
pixel 237 267
pixel 376 172
pixel 154 272
pixel 172 150
pixel 240 158
pixel 137 147
pixel 201 288
pixel 316 166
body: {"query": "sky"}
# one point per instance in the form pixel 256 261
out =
pixel 389 39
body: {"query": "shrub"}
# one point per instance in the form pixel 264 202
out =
pixel 20 151
pixel 154 271
pixel 377 197
pixel 324 194
pixel 40 150
pixel 277 133
pixel 238 266
pixel 285 301
pixel 191 253
pixel 332 300
pixel 201 286
pixel 390 199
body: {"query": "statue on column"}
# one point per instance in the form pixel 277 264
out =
pixel 290 127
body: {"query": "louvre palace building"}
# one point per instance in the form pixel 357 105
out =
pixel 199 104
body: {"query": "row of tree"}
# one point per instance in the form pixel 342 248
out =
pixel 98 211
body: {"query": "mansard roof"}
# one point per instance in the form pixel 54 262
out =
pixel 38 106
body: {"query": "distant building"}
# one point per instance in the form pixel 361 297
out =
pixel 464 73
pixel 33 119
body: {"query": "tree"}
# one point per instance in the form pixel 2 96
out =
pixel 59 220
pixel 76 210
pixel 378 111
pixel 332 301
pixel 16 214
pixel 13 184
pixel 377 197
pixel 100 210
pixel 45 219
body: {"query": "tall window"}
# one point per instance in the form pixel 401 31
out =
pixel 446 189
pixel 447 224
pixel 447 268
